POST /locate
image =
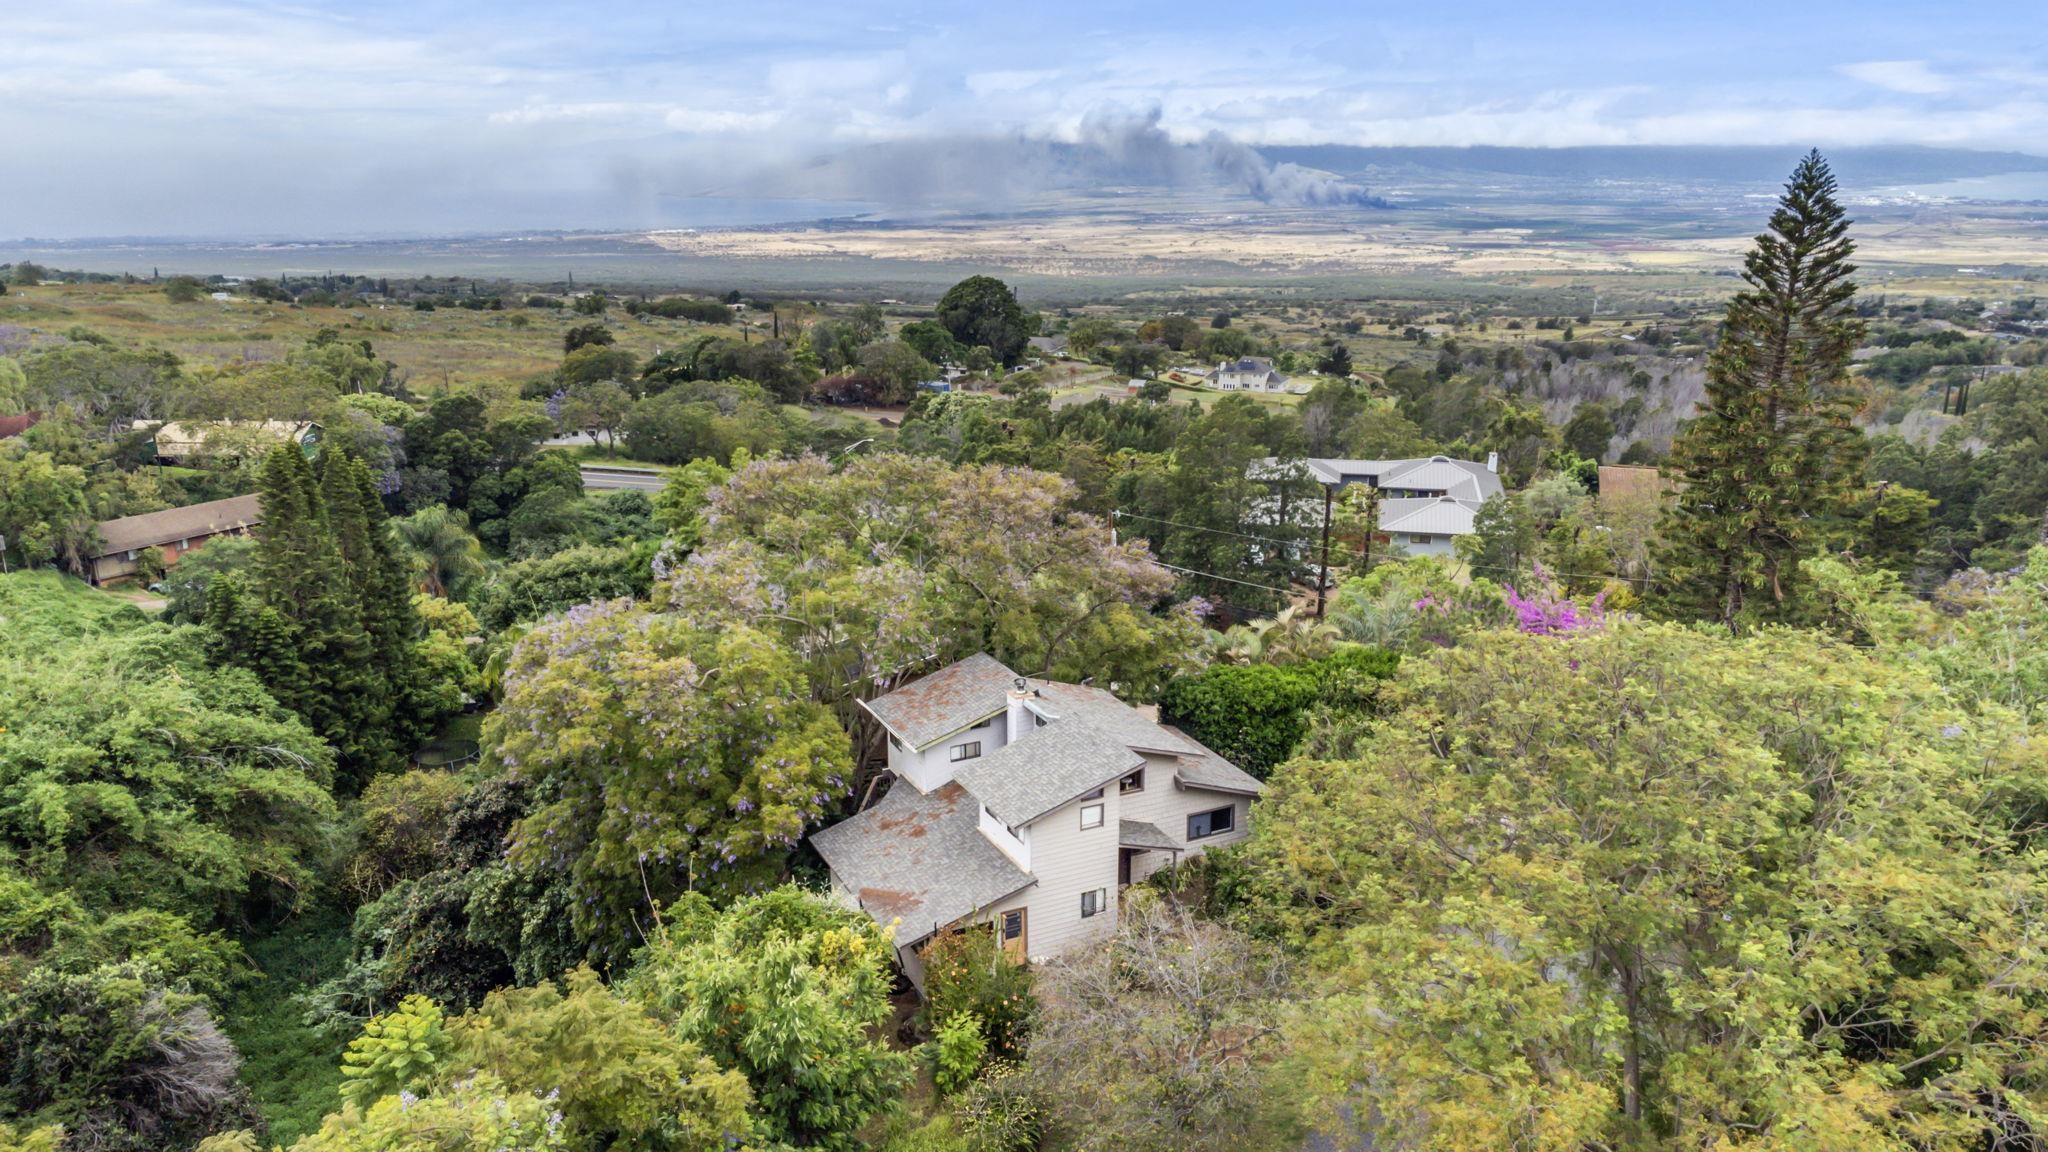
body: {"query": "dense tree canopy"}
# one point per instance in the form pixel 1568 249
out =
pixel 876 571
pixel 983 311
pixel 666 758
pixel 788 989
pixel 1645 885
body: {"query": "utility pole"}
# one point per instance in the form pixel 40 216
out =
pixel 1323 579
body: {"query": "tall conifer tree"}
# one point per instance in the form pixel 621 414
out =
pixel 1772 455
pixel 303 579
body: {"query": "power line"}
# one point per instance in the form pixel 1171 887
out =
pixel 1120 513
pixel 1576 575
pixel 1228 579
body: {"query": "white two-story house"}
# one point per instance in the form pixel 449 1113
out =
pixel 1025 805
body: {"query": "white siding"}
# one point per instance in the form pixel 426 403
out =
pixel 1069 862
pixel 1017 850
pixel 913 965
pixel 934 767
pixel 1439 544
pixel 1167 805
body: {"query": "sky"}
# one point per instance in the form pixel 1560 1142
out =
pixel 395 117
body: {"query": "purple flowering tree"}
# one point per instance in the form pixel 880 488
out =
pixel 666 758
pixel 1552 612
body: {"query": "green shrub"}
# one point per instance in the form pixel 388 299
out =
pixel 956 1052
pixel 149 564
pixel 396 1051
pixel 1000 1113
pixel 969 974
pixel 1254 715
pixel 904 1132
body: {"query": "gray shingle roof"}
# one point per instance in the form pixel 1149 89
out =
pixel 920 859
pixel 1110 716
pixel 1047 767
pixel 1139 834
pixel 175 524
pixel 1205 769
pixel 942 703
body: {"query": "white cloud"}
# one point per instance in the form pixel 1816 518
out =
pixel 1910 76
pixel 249 99
pixel 719 120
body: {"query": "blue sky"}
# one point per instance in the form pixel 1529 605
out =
pixel 215 116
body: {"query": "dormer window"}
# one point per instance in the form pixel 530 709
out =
pixel 968 751
pixel 1135 782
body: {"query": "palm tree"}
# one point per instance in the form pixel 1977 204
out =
pixel 446 556
pixel 1287 638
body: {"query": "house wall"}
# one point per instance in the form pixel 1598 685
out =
pixel 1012 846
pixel 119 564
pixel 1069 862
pixel 1167 806
pixel 1439 545
pixel 912 961
pixel 934 768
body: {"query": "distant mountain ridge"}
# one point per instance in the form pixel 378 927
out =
pixel 1864 166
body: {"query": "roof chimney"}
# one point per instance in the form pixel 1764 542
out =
pixel 1493 461
pixel 1019 719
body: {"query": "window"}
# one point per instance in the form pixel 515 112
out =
pixel 896 743
pixel 1418 538
pixel 1091 816
pixel 1013 924
pixel 1094 901
pixel 1135 782
pixel 1037 720
pixel 967 751
pixel 1095 795
pixel 1214 822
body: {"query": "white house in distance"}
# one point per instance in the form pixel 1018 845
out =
pixel 1426 503
pixel 1249 374
pixel 1024 805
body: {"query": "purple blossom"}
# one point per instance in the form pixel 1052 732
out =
pixel 1550 612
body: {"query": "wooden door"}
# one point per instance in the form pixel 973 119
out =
pixel 1011 929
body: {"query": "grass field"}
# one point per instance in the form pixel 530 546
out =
pixel 434 350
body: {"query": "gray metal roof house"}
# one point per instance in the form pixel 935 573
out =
pixel 1426 503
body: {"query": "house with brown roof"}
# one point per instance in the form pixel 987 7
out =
pixel 1024 807
pixel 175 531
pixel 1634 482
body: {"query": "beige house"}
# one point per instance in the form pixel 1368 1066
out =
pixel 1025 805
pixel 173 531
pixel 199 440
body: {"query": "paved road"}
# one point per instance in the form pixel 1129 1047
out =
pixel 603 479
